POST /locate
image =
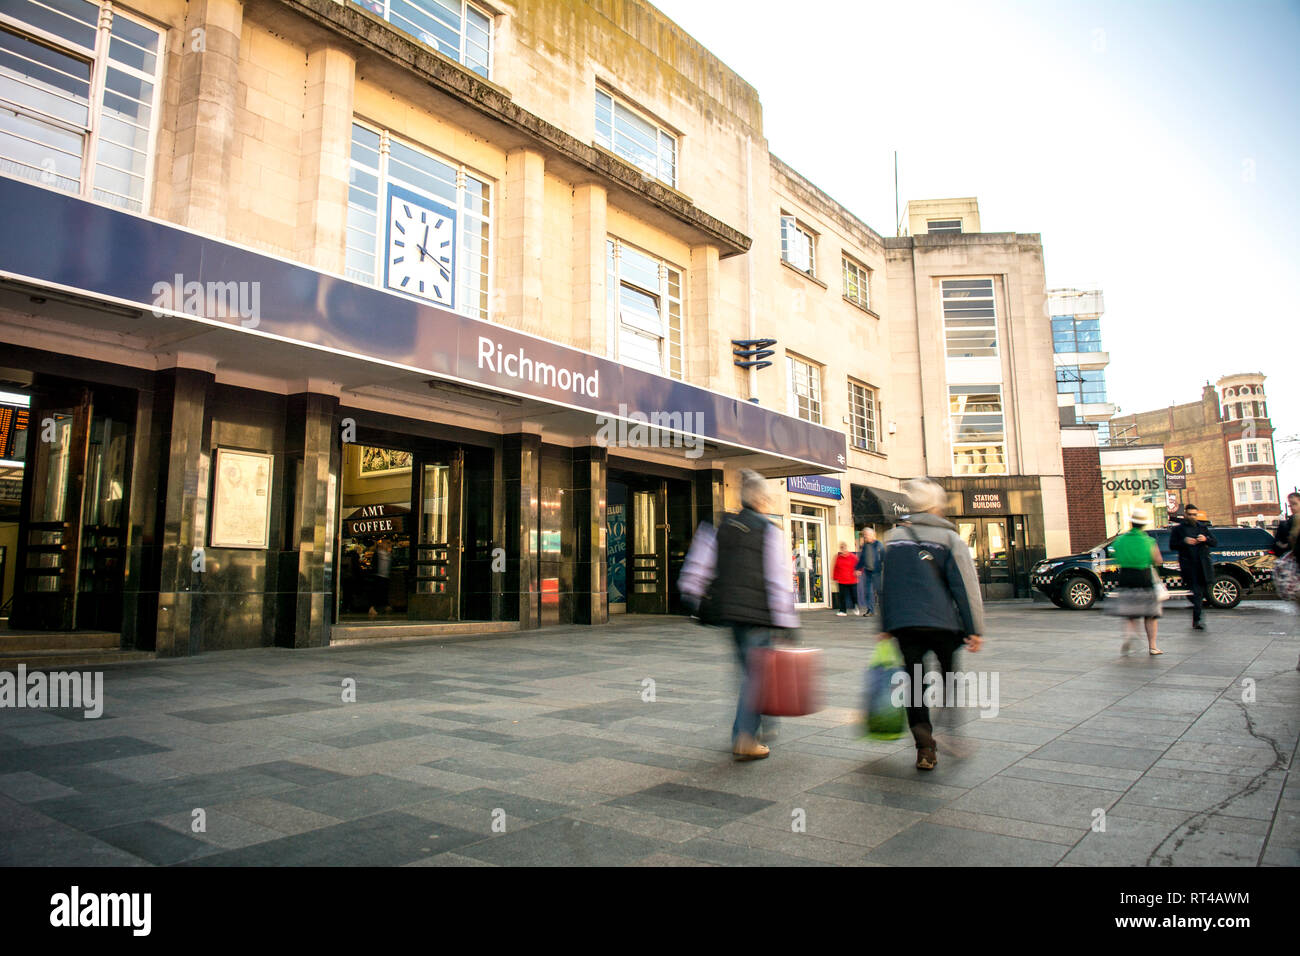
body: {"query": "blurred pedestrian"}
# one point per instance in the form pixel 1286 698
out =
pixel 1285 540
pixel 870 561
pixel 1138 595
pixel 846 580
pixel 1192 540
pixel 745 573
pixel 383 566
pixel 930 600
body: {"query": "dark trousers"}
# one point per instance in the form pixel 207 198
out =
pixel 1200 589
pixel 845 597
pixel 915 643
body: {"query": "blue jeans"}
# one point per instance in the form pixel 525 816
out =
pixel 748 637
pixel 868 590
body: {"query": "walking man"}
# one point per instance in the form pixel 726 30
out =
pixel 1192 540
pixel 747 566
pixel 870 561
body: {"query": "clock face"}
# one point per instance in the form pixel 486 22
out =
pixel 421 257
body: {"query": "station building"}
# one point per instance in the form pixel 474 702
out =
pixel 328 321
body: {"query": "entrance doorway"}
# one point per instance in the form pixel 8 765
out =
pixel 71 547
pixel 808 555
pixel 656 524
pixel 994 547
pixel 405 523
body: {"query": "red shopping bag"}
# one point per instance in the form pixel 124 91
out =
pixel 788 679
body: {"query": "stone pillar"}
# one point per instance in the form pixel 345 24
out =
pixel 589 268
pixel 205 119
pixel 590 469
pixel 521 458
pixel 522 243
pixel 140 587
pixel 181 407
pixel 311 442
pixel 702 320
pixel 710 503
pixel 326 148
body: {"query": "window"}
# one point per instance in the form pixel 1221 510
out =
pixel 1087 386
pixel 943 225
pixel 978 431
pixel 1070 334
pixel 857 283
pixel 862 417
pixel 379 161
pixel 805 389
pixel 1252 452
pixel 455 28
pixel 969 318
pixel 797 246
pixel 78 94
pixel 643 298
pixel 627 133
pixel 1255 491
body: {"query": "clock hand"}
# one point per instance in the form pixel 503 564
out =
pixel 423 253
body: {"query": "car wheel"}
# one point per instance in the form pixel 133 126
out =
pixel 1225 592
pixel 1080 594
pixel 1057 599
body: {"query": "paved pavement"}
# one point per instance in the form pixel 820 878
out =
pixel 539 749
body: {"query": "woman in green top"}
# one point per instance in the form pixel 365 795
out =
pixel 1138 556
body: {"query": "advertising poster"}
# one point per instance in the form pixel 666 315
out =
pixel 616 543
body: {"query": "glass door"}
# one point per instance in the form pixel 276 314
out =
pixel 999 560
pixel 49 536
pixel 648 587
pixel 436 563
pixel 807 555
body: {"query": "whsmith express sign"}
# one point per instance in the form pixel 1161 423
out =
pixel 815 485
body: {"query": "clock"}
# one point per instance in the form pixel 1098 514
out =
pixel 421 251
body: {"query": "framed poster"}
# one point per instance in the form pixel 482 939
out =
pixel 241 500
pixel 383 461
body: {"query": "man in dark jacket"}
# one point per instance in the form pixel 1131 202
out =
pixel 1285 536
pixel 931 599
pixel 749 568
pixel 871 559
pixel 1192 540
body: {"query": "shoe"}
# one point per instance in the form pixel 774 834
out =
pixel 1156 653
pixel 926 758
pixel 1128 646
pixel 857 612
pixel 1198 626
pixel 840 614
pixel 747 748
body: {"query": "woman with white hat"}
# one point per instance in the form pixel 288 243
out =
pixel 1138 597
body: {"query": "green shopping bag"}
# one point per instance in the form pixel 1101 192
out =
pixel 882 719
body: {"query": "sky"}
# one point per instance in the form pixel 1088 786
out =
pixel 1154 145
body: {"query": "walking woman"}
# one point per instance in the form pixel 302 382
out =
pixel 846 580
pixel 1138 598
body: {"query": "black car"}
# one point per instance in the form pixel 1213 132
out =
pixel 1243 562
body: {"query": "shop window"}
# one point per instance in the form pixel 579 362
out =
pixel 454 28
pixel 418 223
pixel 969 318
pixel 79 85
pixel 644 310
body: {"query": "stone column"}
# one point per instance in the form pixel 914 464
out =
pixel 326 148
pixel 522 243
pixel 521 599
pixel 205 119
pixel 589 268
pixel 311 440
pixel 702 320
pixel 181 407
pixel 710 504
pixel 590 470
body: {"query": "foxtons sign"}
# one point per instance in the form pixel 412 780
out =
pixel 1130 484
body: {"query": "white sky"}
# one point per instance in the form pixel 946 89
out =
pixel 1155 146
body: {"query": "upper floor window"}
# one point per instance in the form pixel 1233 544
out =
pixel 1252 452
pixel 644 303
pixel 417 223
pixel 630 134
pixel 863 408
pixel 798 246
pixel 805 380
pixel 455 28
pixel 1070 334
pixel 78 95
pixel 1087 386
pixel 943 225
pixel 978 430
pixel 969 318
pixel 857 283
pixel 1253 490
